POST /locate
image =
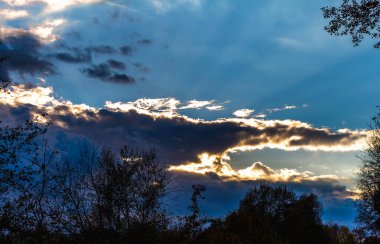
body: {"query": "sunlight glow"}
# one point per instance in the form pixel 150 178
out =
pixel 217 164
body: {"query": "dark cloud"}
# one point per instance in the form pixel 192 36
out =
pixel 82 55
pixel 126 50
pixel 104 72
pixel 145 42
pixel 101 71
pixel 122 79
pixel 116 64
pixel 23 52
pixel 179 139
pixel 78 56
pixel 102 49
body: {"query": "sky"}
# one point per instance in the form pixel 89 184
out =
pixel 229 93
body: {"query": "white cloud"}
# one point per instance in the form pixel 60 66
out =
pixel 10 14
pixel 215 107
pixel 243 113
pixel 286 107
pixel 195 104
pixel 51 5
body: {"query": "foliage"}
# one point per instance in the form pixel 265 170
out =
pixel 271 215
pixel 354 18
pixel 369 182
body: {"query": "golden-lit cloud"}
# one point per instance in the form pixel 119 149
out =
pixel 218 164
pixel 46 30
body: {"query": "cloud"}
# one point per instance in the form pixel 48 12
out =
pixel 78 57
pixel 178 139
pixel 157 107
pixel 215 107
pixel 121 79
pixel 46 30
pixel 196 104
pixel 101 49
pixel 218 165
pixel 116 64
pixel 23 52
pixel 104 72
pixel 11 14
pixel 286 107
pixel 145 42
pixel 243 113
pixel 126 50
pixel 50 5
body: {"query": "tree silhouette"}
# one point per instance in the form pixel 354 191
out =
pixel 113 198
pixel 271 215
pixel 354 18
pixel 195 222
pixel 369 182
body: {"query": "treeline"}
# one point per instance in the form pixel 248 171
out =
pixel 103 197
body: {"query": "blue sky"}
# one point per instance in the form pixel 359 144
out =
pixel 182 68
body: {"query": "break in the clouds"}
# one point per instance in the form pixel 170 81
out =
pixel 178 138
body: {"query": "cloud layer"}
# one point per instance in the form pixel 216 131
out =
pixel 157 123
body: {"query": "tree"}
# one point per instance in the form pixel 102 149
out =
pixel 354 18
pixel 271 214
pixel 369 182
pixel 341 234
pixel 112 198
pixel 195 222
pixel 30 210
